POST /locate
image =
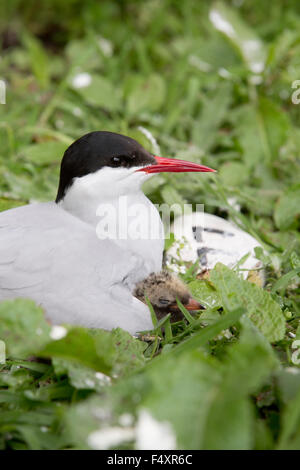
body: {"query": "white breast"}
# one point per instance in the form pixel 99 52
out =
pixel 112 201
pixel 139 230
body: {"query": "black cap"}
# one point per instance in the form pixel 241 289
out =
pixel 95 150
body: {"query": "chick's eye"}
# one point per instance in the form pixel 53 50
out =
pixel 163 301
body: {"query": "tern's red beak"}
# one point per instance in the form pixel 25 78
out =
pixel 174 166
pixel 191 305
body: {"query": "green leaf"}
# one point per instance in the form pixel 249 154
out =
pixel 146 94
pixel 23 327
pixel 44 153
pixel 274 125
pixel 206 402
pixel 39 437
pixel 129 352
pixel 251 360
pixel 226 20
pixel 287 209
pixel 289 438
pixel 262 129
pixel 214 111
pixel 80 376
pixel 83 53
pixel 172 196
pixel 295 260
pixel 112 353
pixel 38 59
pixel 247 365
pixel 258 303
pixel 98 91
pixel 233 174
pixel 288 383
pixel 15 378
pixel 183 396
pixel 86 417
pixel 91 348
pixel 229 424
pixel 204 292
pixel 200 398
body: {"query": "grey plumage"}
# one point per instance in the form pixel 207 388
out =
pixel 56 259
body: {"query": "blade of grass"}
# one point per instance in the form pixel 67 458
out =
pixel 152 312
pixel 168 330
pixel 210 332
pixel 185 312
pixel 206 334
pixel 283 282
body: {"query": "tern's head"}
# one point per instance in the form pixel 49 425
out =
pixel 163 289
pixel 113 164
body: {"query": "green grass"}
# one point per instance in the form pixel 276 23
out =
pixel 226 380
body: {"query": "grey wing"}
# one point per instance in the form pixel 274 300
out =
pixel 54 258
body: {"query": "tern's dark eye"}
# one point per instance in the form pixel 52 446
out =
pixel 122 161
pixel 116 161
pixel 163 301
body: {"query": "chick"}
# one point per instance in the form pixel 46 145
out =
pixel 162 289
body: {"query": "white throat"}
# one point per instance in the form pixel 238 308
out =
pixel 106 185
pixel 112 201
